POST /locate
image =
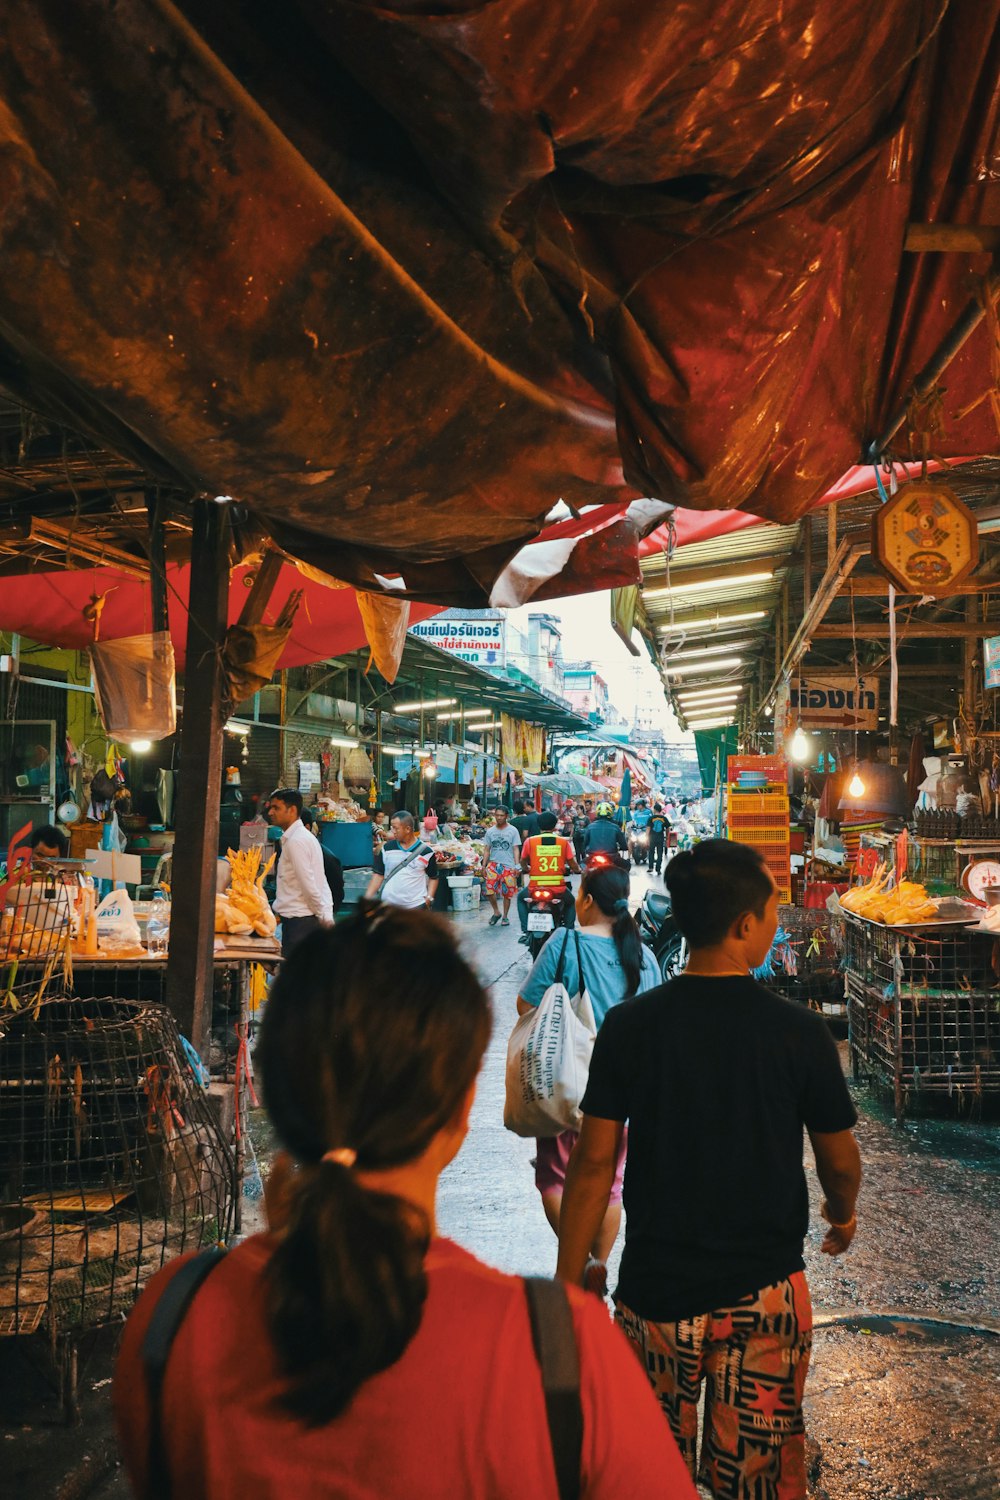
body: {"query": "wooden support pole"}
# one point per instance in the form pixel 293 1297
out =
pixel 831 533
pixel 259 596
pixel 970 647
pixel 157 561
pixel 189 963
pixel 807 563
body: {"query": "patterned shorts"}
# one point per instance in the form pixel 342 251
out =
pixel 753 1359
pixel 500 880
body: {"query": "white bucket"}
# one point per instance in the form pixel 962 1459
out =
pixel 460 882
pixel 466 898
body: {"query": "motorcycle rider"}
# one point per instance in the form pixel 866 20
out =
pixel 547 859
pixel 604 836
pixel 638 825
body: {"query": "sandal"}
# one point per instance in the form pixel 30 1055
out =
pixel 505 921
pixel 595 1278
pixel 494 919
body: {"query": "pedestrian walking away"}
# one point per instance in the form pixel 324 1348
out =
pixel 404 872
pixel 303 900
pixel 502 845
pixel 606 956
pixel 352 1350
pixel 717 1078
pixel 659 833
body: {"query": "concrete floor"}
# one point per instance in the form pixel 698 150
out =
pixel 897 1408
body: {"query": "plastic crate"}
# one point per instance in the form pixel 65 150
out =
pixel 775 767
pixel 759 838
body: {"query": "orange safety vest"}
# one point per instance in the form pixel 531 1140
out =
pixel 547 857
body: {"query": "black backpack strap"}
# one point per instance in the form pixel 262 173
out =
pixel 554 1339
pixel 168 1315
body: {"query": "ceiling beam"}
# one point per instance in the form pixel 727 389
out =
pixel 917 630
pixel 869 587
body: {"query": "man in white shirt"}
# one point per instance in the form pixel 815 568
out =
pixel 303 899
pixel 405 870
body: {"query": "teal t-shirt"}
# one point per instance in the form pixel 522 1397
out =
pixel 602 972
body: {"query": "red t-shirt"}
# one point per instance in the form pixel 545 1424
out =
pixel 460 1415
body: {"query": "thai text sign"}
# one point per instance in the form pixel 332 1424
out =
pixel 991 662
pixel 481 641
pixel 836 701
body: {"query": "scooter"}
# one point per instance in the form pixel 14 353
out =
pixel 639 846
pixel 546 912
pixel 602 860
pixel 660 932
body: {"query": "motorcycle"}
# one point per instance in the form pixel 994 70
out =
pixel 546 912
pixel 638 845
pixel 601 859
pixel 660 932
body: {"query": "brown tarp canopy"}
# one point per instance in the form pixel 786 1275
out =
pixel 403 276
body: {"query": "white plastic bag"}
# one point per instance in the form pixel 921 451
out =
pixel 548 1060
pixel 116 924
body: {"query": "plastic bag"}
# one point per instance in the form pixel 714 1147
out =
pixel 548 1060
pixel 117 928
pixel 135 684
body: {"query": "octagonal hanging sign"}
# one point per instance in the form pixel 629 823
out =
pixel 924 539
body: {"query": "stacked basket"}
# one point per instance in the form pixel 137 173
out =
pixel 758 813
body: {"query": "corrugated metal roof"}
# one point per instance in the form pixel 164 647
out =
pixel 753 541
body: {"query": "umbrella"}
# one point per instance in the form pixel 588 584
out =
pixel 567 783
pixel 625 796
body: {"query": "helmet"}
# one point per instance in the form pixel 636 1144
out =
pixel 605 810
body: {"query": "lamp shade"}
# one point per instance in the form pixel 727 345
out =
pixel 884 791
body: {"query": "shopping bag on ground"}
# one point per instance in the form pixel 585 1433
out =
pixel 548 1060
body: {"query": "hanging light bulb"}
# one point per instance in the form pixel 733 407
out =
pixel 857 786
pixel 801 744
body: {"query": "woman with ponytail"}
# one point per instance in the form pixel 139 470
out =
pixel 352 1351
pixel 615 965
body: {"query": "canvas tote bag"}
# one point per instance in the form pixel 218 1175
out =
pixel 548 1059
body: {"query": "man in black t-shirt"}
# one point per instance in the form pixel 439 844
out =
pixel 717 1078
pixel 526 823
pixel 659 831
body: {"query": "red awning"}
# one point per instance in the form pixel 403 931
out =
pixel 48 607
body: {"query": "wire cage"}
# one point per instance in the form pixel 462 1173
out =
pixel 111 1160
pixel 924 1012
pixel 805 961
pixel 35 954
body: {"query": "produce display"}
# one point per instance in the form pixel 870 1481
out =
pixel 244 909
pixel 879 901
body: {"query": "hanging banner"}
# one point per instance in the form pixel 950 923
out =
pixel 835 700
pixel 523 744
pixel 481 639
pixel 991 662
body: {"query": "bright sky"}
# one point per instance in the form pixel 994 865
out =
pixel 588 636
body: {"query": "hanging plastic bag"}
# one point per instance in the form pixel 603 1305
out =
pixel 135 684
pixel 548 1060
pixel 117 929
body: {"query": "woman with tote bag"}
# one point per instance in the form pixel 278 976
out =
pixel 606 960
